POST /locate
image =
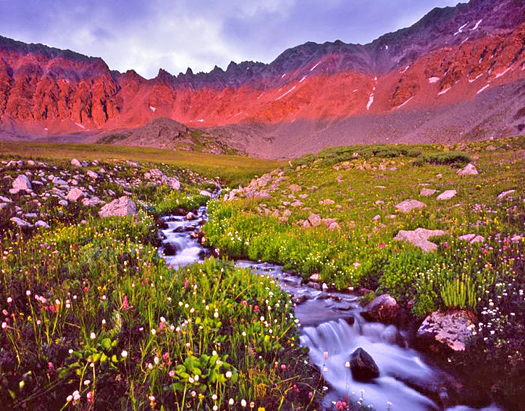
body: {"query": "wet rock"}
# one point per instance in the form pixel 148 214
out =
pixel 469 170
pixel 450 329
pixel 505 194
pixel 120 207
pixel 447 195
pixel 419 237
pixel 426 192
pixel 190 216
pixel 299 299
pixel 75 195
pixel 315 286
pixel 22 183
pixel 76 163
pixel 383 308
pixel 363 365
pixel 170 249
pixel 409 205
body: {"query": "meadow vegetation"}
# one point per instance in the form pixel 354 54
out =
pixel 359 187
pixel 92 318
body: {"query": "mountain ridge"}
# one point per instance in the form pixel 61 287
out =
pixel 450 56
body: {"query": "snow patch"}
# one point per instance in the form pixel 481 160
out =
pixel 80 125
pixel 283 75
pixel 398 107
pixel 304 78
pixel 289 91
pixel 45 128
pixel 477 25
pixel 478 76
pixel 503 73
pixel 386 47
pixel 153 108
pixel 313 68
pixel 375 78
pixel 460 30
pixel 201 120
pixel 483 88
pixel 404 71
pixel 433 80
pixel 370 101
pixel 464 41
pixel 444 91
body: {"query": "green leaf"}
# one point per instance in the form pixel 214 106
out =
pixel 106 343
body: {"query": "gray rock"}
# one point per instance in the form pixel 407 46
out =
pixel 383 308
pixel 59 182
pixel 173 183
pixel 63 203
pixel 451 329
pixel 314 220
pixel 76 163
pixel 41 224
pixel 20 223
pixel 5 199
pixel 205 193
pixel 469 170
pixel 467 237
pixel 190 216
pixel 426 192
pixel 75 194
pixel 92 174
pixel 120 207
pixel 363 365
pixel 419 237
pixel 409 205
pixel 447 195
pixel 22 183
pixel 3 205
pixel 505 194
pixel 30 215
pixel 93 201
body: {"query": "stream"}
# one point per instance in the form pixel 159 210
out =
pixel 331 323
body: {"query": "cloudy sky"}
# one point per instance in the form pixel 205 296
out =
pixel 176 34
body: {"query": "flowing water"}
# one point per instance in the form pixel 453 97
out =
pixel 332 327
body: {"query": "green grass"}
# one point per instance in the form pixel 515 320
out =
pixel 232 170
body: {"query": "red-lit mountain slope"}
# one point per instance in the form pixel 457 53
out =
pixel 457 74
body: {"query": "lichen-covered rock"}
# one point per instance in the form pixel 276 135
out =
pixel 120 207
pixel 407 206
pixel 419 237
pixel 450 329
pixel 22 183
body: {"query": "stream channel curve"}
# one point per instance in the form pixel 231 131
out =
pixel 331 322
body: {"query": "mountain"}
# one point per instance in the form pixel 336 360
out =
pixel 456 75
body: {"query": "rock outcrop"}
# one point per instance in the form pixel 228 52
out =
pixel 121 207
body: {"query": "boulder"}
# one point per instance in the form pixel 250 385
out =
pixel 22 183
pixel 447 195
pixel 363 365
pixel 407 206
pixel 383 308
pixel 419 237
pixel 76 163
pixel 120 207
pixel 426 192
pixel 314 220
pixel 205 193
pixel 469 170
pixel 20 223
pixel 450 329
pixel 41 224
pixel 173 183
pixel 75 194
pixel 92 174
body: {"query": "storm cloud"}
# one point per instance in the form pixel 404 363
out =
pixel 176 34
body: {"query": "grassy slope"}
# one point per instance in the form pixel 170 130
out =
pixel 230 169
pixel 91 317
pixel 487 278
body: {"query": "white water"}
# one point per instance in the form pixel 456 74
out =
pixel 331 322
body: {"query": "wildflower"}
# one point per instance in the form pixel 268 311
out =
pixel 4 325
pixel 243 403
pixel 156 360
pixel 69 398
pixel 92 336
pixel 215 408
pixel 228 374
pixel 9 300
pixel 153 331
pixel 87 382
pixel 28 293
pixel 150 366
pixel 171 373
pixel 124 353
pixel 231 402
pixel 214 397
pixel 91 397
pixel 326 355
pixel 76 395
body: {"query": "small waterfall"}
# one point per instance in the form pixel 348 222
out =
pixel 331 323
